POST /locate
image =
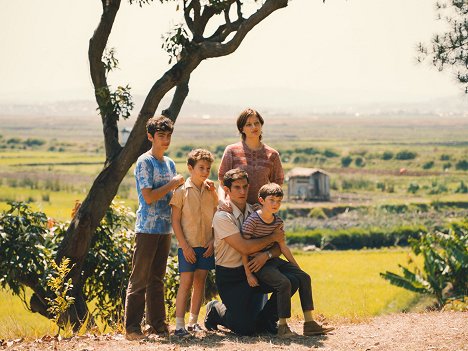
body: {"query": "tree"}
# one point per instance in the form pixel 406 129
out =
pixel 450 48
pixel 188 46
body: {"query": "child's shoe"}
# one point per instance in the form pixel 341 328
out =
pixel 182 333
pixel 284 332
pixel 313 328
pixel 195 328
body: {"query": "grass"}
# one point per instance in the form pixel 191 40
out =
pixel 345 284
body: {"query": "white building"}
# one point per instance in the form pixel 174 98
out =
pixel 308 184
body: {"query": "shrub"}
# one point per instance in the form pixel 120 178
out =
pixel 428 165
pixel 359 161
pixel 462 165
pixel 413 188
pixel 446 165
pixel 346 161
pixel 330 153
pixel 444 157
pixel 445 268
pixel 405 155
pixel 380 186
pixel 462 188
pixel 387 155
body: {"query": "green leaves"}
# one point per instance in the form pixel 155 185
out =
pixel 175 41
pixel 445 272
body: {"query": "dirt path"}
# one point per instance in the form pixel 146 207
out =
pixel 408 332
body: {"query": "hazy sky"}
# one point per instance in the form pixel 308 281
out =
pixel 309 54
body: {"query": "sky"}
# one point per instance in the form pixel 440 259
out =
pixel 308 54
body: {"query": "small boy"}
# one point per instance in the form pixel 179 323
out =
pixel 193 207
pixel 156 178
pixel 262 223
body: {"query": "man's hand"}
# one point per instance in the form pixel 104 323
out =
pixel 225 205
pixel 209 249
pixel 252 280
pixel 278 234
pixel 258 261
pixel 189 254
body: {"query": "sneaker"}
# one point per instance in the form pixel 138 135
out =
pixel 195 328
pixel 313 328
pixel 132 336
pixel 211 316
pixel 182 333
pixel 284 332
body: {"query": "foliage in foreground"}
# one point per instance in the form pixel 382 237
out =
pixel 30 240
pixel 445 269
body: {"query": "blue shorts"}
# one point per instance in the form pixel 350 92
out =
pixel 205 263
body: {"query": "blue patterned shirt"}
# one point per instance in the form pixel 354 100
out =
pixel 152 173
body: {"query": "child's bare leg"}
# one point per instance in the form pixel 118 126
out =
pixel 198 294
pixel 185 285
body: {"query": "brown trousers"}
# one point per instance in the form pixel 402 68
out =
pixel 146 284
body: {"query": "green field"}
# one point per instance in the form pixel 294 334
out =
pixel 345 284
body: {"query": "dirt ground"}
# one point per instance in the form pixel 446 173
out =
pixel 409 332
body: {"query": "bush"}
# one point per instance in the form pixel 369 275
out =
pixel 413 188
pixel 346 161
pixel 462 165
pixel 462 188
pixel 405 155
pixel 428 165
pixel 444 157
pixel 330 153
pixel 387 155
pixel 445 271
pixel 359 162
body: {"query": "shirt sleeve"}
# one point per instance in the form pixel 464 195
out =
pixel 248 228
pixel 277 174
pixel 178 198
pixel 226 164
pixel 224 225
pixel 144 173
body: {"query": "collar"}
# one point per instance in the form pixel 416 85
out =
pixel 189 184
pixel 237 212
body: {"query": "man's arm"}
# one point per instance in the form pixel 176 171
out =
pixel 153 195
pixel 247 247
pixel 260 258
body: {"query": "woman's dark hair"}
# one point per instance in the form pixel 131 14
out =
pixel 242 120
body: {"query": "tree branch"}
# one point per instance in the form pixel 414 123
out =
pixel 244 26
pixel 97 45
pixel 182 90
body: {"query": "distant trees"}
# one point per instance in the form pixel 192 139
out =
pixel 450 49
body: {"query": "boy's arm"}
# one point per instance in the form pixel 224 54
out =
pixel 251 279
pixel 287 253
pixel 153 195
pixel 187 250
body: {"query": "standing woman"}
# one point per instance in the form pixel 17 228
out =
pixel 261 162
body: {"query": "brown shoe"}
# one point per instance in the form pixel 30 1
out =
pixel 284 332
pixel 161 331
pixel 133 336
pixel 313 328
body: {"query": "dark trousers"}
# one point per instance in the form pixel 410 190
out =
pixel 238 312
pixel 275 273
pixel 146 284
